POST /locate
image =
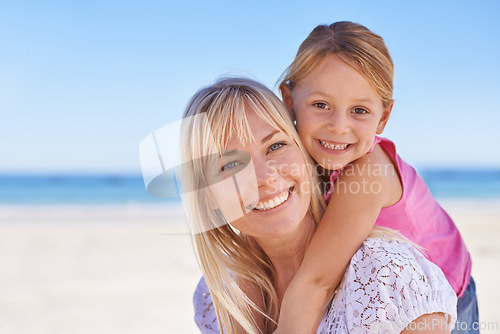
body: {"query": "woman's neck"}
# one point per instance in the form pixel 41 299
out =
pixel 286 253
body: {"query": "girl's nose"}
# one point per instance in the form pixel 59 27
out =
pixel 337 123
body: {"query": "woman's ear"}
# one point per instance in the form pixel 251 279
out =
pixel 287 98
pixel 385 117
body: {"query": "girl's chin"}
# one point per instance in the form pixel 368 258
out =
pixel 329 165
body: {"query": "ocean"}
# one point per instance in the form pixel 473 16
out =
pixel 129 189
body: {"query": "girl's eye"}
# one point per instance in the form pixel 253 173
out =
pixel 321 105
pixel 360 111
pixel 276 146
pixel 229 165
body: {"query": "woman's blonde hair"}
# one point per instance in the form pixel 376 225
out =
pixel 225 255
pixel 354 44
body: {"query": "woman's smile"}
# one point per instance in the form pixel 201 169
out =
pixel 273 202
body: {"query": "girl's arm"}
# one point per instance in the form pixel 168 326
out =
pixel 359 194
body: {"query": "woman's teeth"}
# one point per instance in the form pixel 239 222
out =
pixel 274 202
pixel 333 147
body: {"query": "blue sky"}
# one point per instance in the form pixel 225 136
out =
pixel 81 83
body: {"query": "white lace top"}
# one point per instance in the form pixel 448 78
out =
pixel 387 285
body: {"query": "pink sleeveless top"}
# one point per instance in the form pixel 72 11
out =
pixel 421 219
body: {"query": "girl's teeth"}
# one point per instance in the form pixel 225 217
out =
pixel 274 202
pixel 332 146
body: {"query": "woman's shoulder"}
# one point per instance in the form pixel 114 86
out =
pixel 385 249
pixel 387 285
pixel 204 311
pixel 395 266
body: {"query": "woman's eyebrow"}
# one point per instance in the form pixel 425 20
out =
pixel 269 136
pixel 234 152
pixel 229 153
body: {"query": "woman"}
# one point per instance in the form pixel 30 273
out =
pixel 252 198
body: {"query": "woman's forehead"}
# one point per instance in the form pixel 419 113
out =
pixel 255 130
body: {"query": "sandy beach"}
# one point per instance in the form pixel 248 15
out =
pixel 131 269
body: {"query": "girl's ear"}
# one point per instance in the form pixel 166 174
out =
pixel 287 98
pixel 385 117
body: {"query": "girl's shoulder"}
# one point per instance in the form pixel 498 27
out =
pixel 377 162
pixel 377 174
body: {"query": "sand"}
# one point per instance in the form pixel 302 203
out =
pixel 131 269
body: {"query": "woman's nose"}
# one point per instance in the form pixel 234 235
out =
pixel 265 171
pixel 337 123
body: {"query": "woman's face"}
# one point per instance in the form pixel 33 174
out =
pixel 262 187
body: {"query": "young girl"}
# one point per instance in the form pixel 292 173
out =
pixel 339 89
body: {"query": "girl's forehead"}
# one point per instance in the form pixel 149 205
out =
pixel 338 78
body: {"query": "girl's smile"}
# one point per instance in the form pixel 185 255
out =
pixel 333 146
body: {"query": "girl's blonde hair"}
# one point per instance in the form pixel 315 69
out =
pixel 225 255
pixel 354 44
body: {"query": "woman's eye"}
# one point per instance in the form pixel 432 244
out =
pixel 229 165
pixel 360 111
pixel 321 105
pixel 276 146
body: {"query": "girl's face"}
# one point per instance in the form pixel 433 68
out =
pixel 271 166
pixel 338 113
